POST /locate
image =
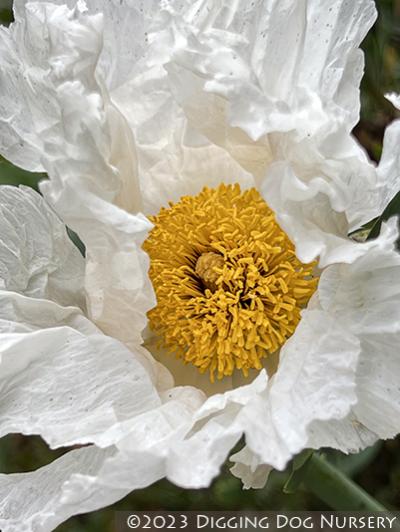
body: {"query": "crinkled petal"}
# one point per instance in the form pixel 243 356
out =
pixel 300 393
pixel 23 113
pixel 61 378
pixel 174 158
pixel 226 73
pixel 158 431
pixel 40 501
pixel 364 297
pixel 274 415
pixel 389 165
pixel 197 459
pixel 347 435
pixel 90 478
pixel 89 154
pixel 37 258
pixel 236 50
pixel 316 211
pixel 321 195
pixel 249 469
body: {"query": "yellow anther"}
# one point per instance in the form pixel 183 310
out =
pixel 228 283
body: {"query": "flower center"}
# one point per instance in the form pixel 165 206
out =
pixel 229 286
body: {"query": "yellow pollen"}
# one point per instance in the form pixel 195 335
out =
pixel 229 286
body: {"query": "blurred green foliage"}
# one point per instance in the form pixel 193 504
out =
pixel 11 175
pixel 382 75
pixel 376 469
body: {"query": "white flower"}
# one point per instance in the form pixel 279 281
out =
pixel 128 106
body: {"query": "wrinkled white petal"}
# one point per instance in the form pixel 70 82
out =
pixel 207 113
pixel 226 72
pixel 174 158
pixel 321 195
pixel 248 468
pixel 157 431
pixel 197 459
pixel 300 392
pixel 389 166
pixel 275 416
pixel 86 147
pixel 86 479
pixel 37 258
pixel 365 298
pixel 347 435
pixel 281 66
pixel 313 214
pixel 61 378
pixel 90 156
pixel 39 501
pixel 20 130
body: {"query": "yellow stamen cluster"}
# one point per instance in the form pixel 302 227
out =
pixel 229 286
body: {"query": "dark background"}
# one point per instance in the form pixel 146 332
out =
pixel 376 469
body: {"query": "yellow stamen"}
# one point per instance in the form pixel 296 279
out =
pixel 229 286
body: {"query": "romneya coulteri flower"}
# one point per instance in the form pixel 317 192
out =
pixel 202 151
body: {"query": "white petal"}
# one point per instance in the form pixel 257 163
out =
pixel 207 113
pixel 39 501
pixel 20 131
pixel 274 416
pixel 364 297
pixel 249 469
pixel 347 435
pixel 82 480
pixel 318 212
pixel 389 165
pixel 89 155
pixel 300 391
pixel 238 50
pixel 86 147
pixel 394 98
pixel 378 391
pixel 174 159
pixel 126 30
pixel 220 422
pixel 37 258
pixel 158 431
pixel 87 479
pixel 63 379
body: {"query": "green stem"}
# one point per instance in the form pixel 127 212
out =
pixel 335 489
